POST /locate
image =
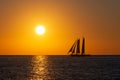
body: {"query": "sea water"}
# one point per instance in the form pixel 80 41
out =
pixel 59 68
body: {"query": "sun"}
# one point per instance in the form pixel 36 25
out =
pixel 40 30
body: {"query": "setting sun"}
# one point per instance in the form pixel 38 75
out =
pixel 40 30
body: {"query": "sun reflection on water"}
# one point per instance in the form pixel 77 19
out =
pixel 40 68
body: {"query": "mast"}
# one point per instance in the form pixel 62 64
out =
pixel 83 47
pixel 78 47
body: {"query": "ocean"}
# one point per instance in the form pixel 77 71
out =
pixel 59 68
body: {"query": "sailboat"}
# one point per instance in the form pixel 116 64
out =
pixel 75 49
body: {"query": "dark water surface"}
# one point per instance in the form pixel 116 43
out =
pixel 59 68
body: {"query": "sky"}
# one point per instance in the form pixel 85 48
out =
pixel 65 21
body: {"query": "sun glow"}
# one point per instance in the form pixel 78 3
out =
pixel 40 30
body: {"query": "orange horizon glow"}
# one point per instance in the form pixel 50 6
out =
pixel 64 22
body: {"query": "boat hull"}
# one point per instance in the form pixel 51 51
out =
pixel 79 55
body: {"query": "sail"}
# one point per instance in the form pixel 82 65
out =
pixel 72 48
pixel 83 47
pixel 78 47
pixel 75 49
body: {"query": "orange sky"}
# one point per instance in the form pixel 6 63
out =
pixel 64 20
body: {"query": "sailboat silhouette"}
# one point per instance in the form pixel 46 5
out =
pixel 75 49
